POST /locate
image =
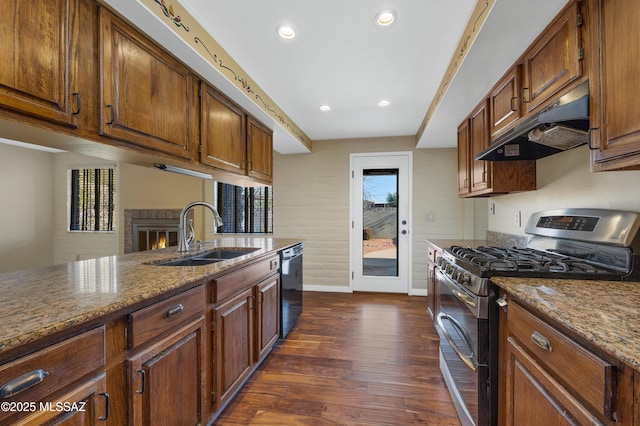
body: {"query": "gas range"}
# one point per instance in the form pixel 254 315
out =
pixel 572 243
pixel 590 244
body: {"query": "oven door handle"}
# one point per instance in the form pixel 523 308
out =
pixel 468 360
pixel 460 295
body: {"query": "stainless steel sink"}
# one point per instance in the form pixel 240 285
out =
pixel 189 261
pixel 216 255
pixel 227 253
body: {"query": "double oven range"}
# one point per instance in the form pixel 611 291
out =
pixel 579 244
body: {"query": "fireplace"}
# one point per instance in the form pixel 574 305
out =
pixel 152 234
pixel 151 229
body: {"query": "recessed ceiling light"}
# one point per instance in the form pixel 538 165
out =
pixel 385 17
pixel 325 108
pixel 286 31
pixel 384 103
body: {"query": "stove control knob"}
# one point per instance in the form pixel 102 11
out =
pixel 449 269
pixel 463 278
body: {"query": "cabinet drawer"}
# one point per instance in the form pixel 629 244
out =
pixel 227 285
pixel 583 372
pixel 46 371
pixel 160 317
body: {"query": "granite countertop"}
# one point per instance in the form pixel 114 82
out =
pixel 606 313
pixel 39 302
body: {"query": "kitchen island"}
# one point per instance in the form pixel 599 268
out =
pixel 103 331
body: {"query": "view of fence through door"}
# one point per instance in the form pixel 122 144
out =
pixel 380 241
pixel 380 222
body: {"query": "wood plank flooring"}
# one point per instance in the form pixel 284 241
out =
pixel 353 359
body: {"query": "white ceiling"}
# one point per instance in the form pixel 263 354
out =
pixel 341 58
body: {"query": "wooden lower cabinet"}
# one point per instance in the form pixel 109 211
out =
pixel 553 378
pixel 432 254
pixel 34 384
pixel 87 404
pixel 267 315
pixel 167 380
pixel 233 345
pixel 245 329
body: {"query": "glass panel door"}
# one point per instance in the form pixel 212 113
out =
pixel 380 242
pixel 380 222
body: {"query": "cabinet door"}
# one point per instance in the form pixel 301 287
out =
pixel 615 85
pixel 146 93
pixel 166 381
pixel 87 404
pixel 534 397
pixel 479 133
pixel 38 58
pixel 554 61
pixel 259 151
pixel 268 315
pixel 223 136
pixel 233 357
pixel 504 102
pixel 464 182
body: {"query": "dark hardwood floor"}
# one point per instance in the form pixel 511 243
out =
pixel 353 359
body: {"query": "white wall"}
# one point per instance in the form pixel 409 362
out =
pixel 26 208
pixel 564 180
pixel 71 246
pixel 311 197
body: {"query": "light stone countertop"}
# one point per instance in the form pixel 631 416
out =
pixel 607 313
pixel 36 303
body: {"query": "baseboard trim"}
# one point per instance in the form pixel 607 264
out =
pixel 342 289
pixel 327 288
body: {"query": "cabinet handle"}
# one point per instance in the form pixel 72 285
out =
pixel 106 407
pixel 22 383
pixel 78 103
pixel 110 114
pixel 502 302
pixel 524 100
pixel 540 340
pixel 514 108
pixel 589 139
pixel 176 310
pixel 144 379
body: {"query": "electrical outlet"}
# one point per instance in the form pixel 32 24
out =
pixel 516 219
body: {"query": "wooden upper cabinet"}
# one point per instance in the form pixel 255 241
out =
pixel 479 128
pixel 231 140
pixel 554 60
pixel 259 151
pixel 222 132
pixel 464 181
pixel 615 85
pixel 38 59
pixel 485 178
pixel 504 102
pixel 146 93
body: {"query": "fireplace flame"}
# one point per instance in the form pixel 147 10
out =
pixel 162 243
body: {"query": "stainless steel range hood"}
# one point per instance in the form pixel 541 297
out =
pixel 560 126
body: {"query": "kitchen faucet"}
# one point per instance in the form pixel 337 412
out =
pixel 183 241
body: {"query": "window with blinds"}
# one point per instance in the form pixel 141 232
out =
pixel 92 199
pixel 245 210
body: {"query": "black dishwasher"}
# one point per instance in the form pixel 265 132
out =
pixel 291 290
